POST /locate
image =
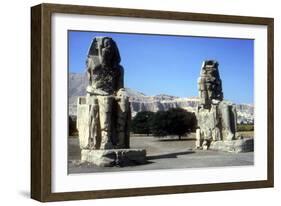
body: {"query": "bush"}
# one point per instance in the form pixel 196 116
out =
pixel 159 124
pixel 245 127
pixel 141 123
pixel 175 121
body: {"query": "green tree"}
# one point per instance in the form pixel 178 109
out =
pixel 141 123
pixel 175 121
pixel 159 124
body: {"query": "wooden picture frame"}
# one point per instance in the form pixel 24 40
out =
pixel 41 98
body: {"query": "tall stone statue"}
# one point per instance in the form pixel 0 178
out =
pixel 103 116
pixel 216 117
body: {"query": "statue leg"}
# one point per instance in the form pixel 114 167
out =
pixel 216 134
pixel 105 114
pixel 198 142
pixel 226 122
pixel 122 121
pixel 207 138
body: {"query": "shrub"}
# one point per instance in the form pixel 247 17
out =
pixel 159 124
pixel 175 121
pixel 141 123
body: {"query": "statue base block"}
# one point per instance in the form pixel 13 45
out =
pixel 114 157
pixel 236 146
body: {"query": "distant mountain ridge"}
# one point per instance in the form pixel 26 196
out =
pixel 141 102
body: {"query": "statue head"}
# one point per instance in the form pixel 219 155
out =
pixel 104 52
pixel 105 74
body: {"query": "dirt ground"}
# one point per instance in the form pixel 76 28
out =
pixel 163 153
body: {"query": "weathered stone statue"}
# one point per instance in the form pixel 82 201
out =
pixel 103 116
pixel 216 118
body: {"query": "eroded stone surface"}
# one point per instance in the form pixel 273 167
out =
pixel 239 145
pixel 114 157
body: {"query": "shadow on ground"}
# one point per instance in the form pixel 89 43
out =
pixel 177 140
pixel 168 155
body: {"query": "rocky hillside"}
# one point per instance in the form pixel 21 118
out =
pixel 142 102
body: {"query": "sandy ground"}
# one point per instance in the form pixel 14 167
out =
pixel 168 153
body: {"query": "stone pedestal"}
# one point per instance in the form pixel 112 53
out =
pixel 239 145
pixel 114 157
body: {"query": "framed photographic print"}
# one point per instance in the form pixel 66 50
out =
pixel 128 102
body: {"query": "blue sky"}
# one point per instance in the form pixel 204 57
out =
pixel 160 64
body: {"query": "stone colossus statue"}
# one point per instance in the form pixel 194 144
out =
pixel 216 118
pixel 106 108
